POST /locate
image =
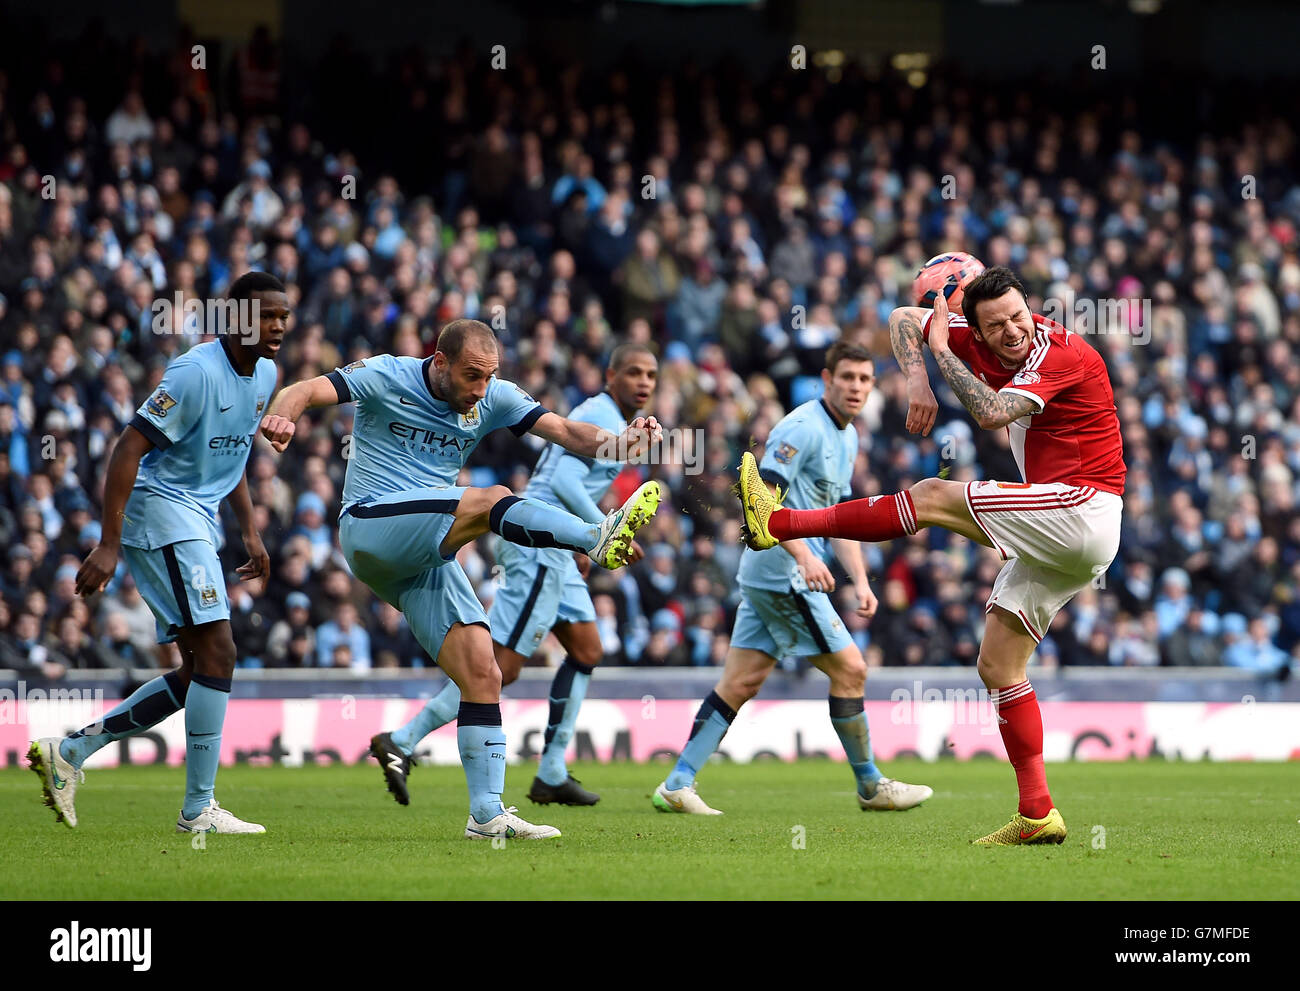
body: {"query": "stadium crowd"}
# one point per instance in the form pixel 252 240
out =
pixel 741 225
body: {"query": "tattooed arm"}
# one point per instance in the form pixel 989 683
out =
pixel 991 410
pixel 909 343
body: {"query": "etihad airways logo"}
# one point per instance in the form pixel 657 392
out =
pixel 428 438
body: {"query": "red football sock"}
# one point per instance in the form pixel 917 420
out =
pixel 1021 723
pixel 876 518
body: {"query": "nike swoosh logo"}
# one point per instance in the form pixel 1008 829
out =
pixel 495 743
pixel 406 402
pixel 200 734
pixel 58 781
pixel 226 408
pixel 1032 832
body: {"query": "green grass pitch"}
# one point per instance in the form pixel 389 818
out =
pixel 1151 830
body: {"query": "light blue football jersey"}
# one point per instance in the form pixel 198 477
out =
pixel 202 419
pixel 601 410
pixel 405 438
pixel 810 457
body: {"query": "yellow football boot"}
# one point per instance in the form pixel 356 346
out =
pixel 757 503
pixel 1023 830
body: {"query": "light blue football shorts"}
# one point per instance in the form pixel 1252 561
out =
pixel 182 582
pixel 391 544
pixel 788 624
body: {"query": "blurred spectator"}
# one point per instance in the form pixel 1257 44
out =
pixel 292 640
pixel 343 631
pixel 392 644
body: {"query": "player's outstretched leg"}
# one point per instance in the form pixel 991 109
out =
pixel 1004 654
pixel 930 502
pixel 533 523
pixel 58 762
pixel 205 716
pixel 395 751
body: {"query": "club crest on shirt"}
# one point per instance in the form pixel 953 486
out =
pixel 261 404
pixel 470 420
pixel 347 369
pixel 159 403
pixel 785 453
pixel 208 596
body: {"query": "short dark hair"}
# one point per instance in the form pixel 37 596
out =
pixel 992 283
pixel 251 282
pixel 453 337
pixel 846 351
pixel 624 352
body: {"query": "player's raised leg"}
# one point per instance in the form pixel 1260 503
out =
pixel 213 650
pixel 553 782
pixel 848 674
pixel 743 674
pixel 1004 654
pixel 533 523
pixel 930 502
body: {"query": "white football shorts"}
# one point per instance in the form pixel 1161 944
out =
pixel 1055 538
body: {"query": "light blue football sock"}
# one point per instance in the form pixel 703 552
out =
pixel 437 712
pixel 533 523
pixel 712 721
pixel 568 689
pixel 483 756
pixel 849 717
pixel 205 714
pixel 147 706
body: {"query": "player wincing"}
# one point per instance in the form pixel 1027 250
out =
pixel 542 589
pixel 1058 529
pixel 784 606
pixel 404 519
pixel 184 451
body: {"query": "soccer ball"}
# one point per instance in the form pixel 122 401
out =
pixel 948 273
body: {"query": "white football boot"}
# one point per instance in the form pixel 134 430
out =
pixel 215 819
pixel 58 778
pixel 508 825
pixel 682 800
pixel 619 528
pixel 894 795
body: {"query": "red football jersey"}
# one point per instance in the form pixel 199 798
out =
pixel 1074 438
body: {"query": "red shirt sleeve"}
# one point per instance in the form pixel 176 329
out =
pixel 961 339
